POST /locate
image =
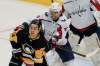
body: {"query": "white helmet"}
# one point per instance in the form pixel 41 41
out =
pixel 55 7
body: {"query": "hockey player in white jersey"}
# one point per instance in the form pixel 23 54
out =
pixel 83 21
pixel 56 27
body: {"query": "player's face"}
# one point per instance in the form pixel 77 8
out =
pixel 34 30
pixel 55 15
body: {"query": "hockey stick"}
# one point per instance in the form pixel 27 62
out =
pixel 65 49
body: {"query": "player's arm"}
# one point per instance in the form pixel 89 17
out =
pixel 15 39
pixel 95 4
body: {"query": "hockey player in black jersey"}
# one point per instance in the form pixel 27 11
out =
pixel 29 45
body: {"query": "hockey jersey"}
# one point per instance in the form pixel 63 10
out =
pixel 55 28
pixel 80 13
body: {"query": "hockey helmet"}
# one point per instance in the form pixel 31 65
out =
pixel 55 7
